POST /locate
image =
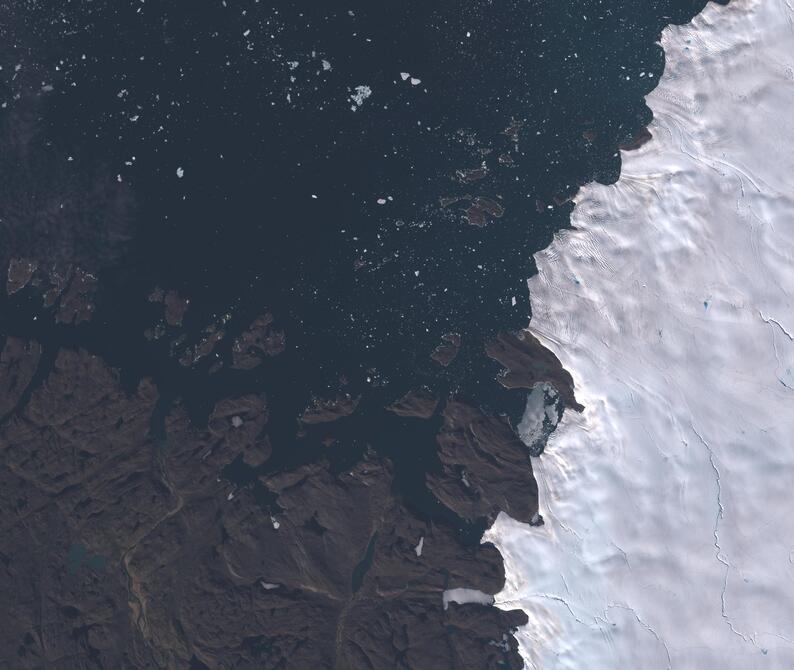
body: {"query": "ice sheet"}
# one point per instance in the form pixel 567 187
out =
pixel 669 504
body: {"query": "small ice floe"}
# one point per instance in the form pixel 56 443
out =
pixel 405 75
pixel 180 172
pixel 326 65
pixel 415 81
pixel 381 201
pixel 463 596
pixel 237 421
pixel 268 586
pixel 418 547
pixel 360 94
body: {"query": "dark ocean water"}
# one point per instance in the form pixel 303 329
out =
pixel 284 162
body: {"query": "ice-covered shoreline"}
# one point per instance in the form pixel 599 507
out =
pixel 669 539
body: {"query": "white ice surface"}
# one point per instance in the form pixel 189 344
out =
pixel 463 596
pixel 669 503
